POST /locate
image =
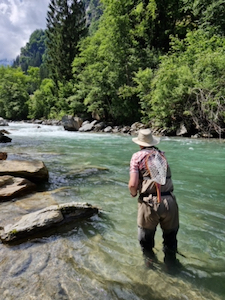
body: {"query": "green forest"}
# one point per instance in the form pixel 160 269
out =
pixel 158 62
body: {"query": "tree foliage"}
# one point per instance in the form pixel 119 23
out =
pixel 205 14
pixel 189 85
pixel 13 94
pixel 94 11
pixel 154 60
pixel 32 53
pixel 42 103
pixel 65 27
pixel 108 60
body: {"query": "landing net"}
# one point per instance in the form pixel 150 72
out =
pixel 157 167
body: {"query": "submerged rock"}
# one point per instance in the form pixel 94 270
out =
pixel 86 171
pixel 3 155
pixel 32 170
pixel 4 138
pixel 11 187
pixel 44 219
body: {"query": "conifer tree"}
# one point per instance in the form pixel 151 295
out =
pixel 65 27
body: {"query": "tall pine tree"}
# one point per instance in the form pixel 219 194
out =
pixel 66 25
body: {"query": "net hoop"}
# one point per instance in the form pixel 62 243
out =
pixel 156 164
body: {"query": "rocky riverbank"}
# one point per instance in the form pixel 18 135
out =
pixel 18 182
pixel 71 123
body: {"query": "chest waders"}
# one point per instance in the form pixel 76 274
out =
pixel 157 204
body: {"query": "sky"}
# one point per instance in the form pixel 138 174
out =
pixel 18 19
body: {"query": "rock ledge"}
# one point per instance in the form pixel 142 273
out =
pixel 41 220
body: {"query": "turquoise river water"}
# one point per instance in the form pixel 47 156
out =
pixel 100 258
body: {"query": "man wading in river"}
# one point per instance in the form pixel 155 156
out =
pixel 150 176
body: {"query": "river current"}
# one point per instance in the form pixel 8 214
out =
pixel 100 258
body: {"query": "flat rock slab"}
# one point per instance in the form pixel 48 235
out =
pixel 11 187
pixel 32 170
pixel 42 220
pixel 35 201
pixel 12 211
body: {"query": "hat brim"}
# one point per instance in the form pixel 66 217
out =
pixel 140 143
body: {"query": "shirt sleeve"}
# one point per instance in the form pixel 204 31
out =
pixel 134 165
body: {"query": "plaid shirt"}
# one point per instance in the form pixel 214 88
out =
pixel 138 159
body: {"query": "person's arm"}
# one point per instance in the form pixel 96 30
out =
pixel 133 184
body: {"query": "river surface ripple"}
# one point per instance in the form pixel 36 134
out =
pixel 100 258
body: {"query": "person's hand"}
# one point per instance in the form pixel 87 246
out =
pixel 133 184
pixel 132 195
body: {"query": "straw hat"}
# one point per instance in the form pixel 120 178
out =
pixel 145 138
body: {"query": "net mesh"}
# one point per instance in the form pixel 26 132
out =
pixel 157 166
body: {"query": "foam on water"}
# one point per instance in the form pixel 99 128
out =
pixel 35 130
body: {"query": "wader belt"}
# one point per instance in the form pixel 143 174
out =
pixel 155 194
pixel 162 194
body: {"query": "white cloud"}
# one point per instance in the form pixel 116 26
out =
pixel 18 19
pixel 3 7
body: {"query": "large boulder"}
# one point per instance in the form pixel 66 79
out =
pixel 135 127
pixel 99 126
pixel 44 219
pixel 32 170
pixel 125 129
pixel 11 187
pixel 71 123
pixel 87 126
pixel 108 129
pixel 3 122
